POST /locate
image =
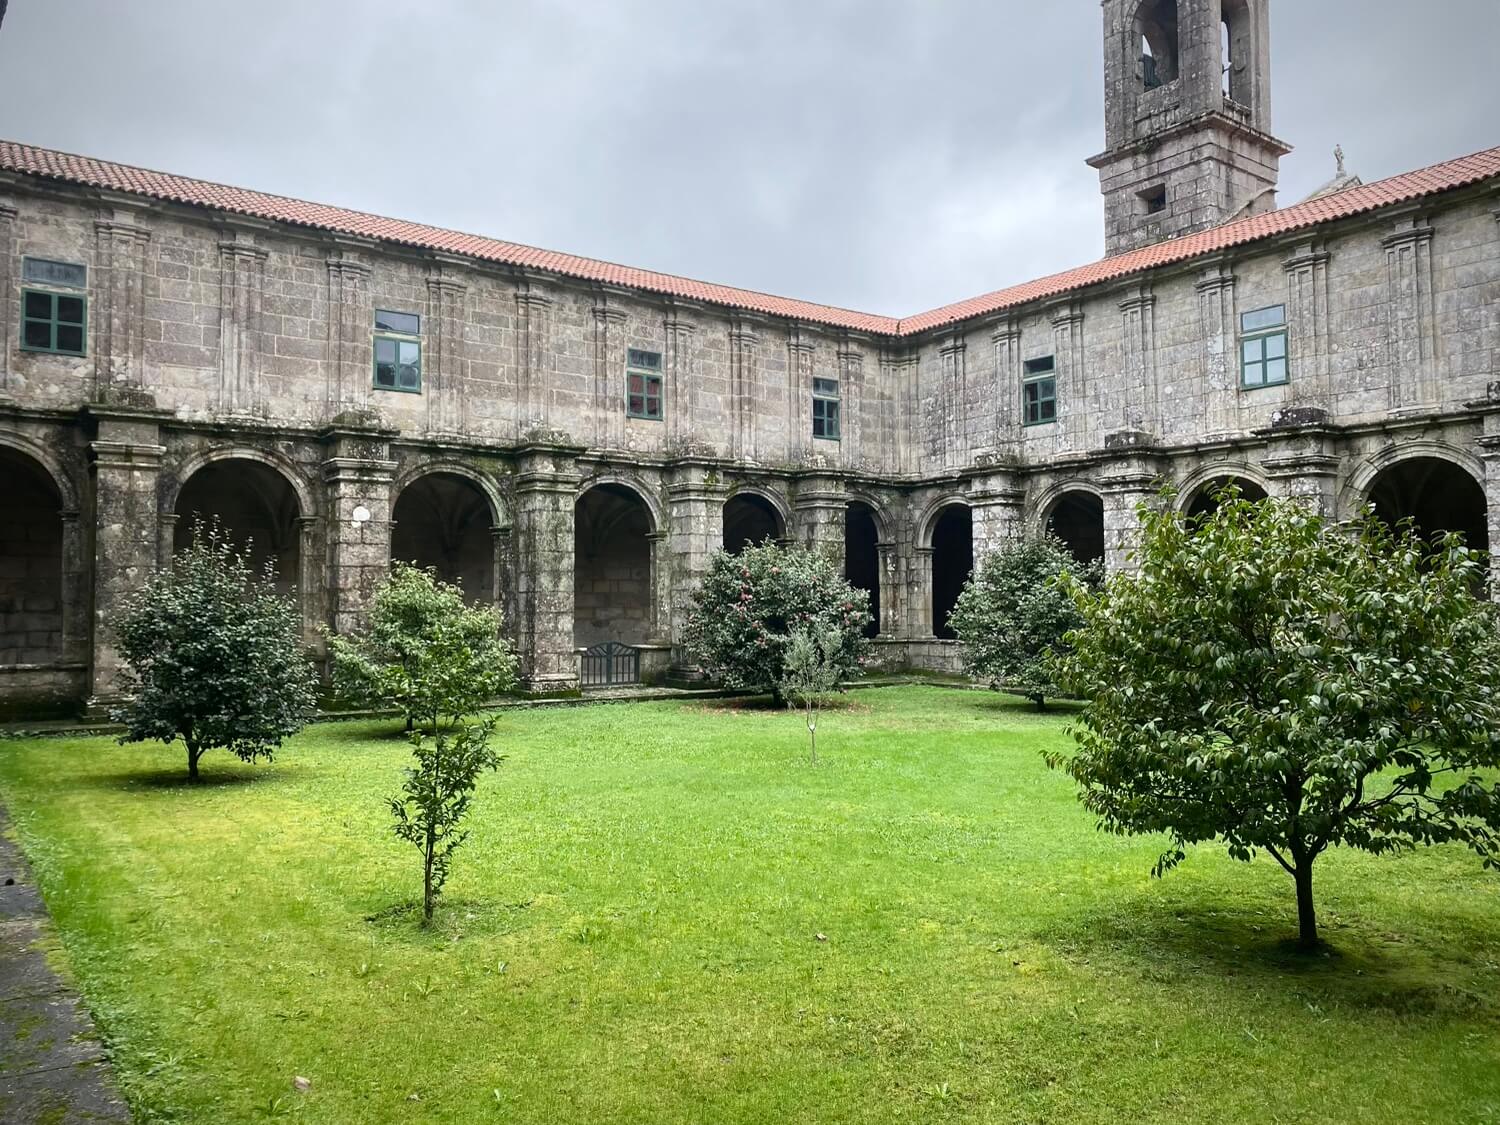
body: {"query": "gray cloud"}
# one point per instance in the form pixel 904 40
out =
pixel 880 155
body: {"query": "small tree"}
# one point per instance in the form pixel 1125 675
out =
pixel 811 674
pixel 1013 616
pixel 214 656
pixel 1284 684
pixel 749 604
pixel 426 652
pixel 438 660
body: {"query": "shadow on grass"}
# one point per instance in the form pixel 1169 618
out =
pixel 1167 942
pixel 208 781
pixel 452 918
pixel 1007 704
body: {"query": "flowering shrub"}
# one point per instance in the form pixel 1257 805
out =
pixel 749 605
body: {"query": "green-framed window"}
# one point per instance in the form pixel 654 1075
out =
pixel 398 351
pixel 54 322
pixel 825 409
pixel 1263 338
pixel 1039 391
pixel 643 385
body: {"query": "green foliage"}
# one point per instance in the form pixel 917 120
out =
pixel 214 656
pixel 426 652
pixel 749 604
pixel 1284 684
pixel 436 795
pixel 1013 615
pixel 811 672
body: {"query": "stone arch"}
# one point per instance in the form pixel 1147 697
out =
pixel 499 510
pixel 614 565
pixel 1195 494
pixel 447 521
pixel 750 514
pixel 307 497
pixel 1157 32
pixel 951 535
pixel 1073 511
pixel 631 483
pixel 35 527
pixel 258 502
pixel 1357 488
pixel 1437 488
pixel 927 521
pixel 62 480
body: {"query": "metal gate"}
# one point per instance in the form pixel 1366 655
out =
pixel 610 664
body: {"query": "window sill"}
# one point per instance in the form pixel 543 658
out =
pixel 53 352
pixel 398 390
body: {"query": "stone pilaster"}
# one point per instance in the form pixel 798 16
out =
pixel 799 377
pixel 125 462
pixel 1131 478
pixel 357 477
pixel 696 507
pixel 818 512
pixel 609 376
pixel 7 256
pixel 1411 318
pixel 851 363
pixel 997 503
pixel 1138 361
pixel 533 358
pixel 350 323
pixel 504 591
pixel 892 589
pixel 119 309
pixel 744 341
pixel 919 593
pixel 445 365
pixel 1301 461
pixel 1490 445
pixel 1009 371
pixel 242 267
pixel 546 491
pixel 660 626
pixel 953 389
pixel 1074 403
pixel 898 374
pixel 680 382
pixel 1216 327
pixel 1309 338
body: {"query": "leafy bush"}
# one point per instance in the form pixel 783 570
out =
pixel 214 656
pixel 1284 684
pixel 749 604
pixel 1013 616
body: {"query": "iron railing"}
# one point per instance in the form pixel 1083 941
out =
pixel 609 665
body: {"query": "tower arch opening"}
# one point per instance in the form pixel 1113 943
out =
pixel 1077 519
pixel 952 563
pixel 1436 495
pixel 750 519
pixel 612 580
pixel 862 557
pixel 445 521
pixel 256 506
pixel 1156 24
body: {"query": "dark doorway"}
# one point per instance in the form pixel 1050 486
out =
pixel 1077 518
pixel 750 520
pixel 256 506
pixel 862 557
pixel 31 562
pixel 446 522
pixel 611 567
pixel 1437 496
pixel 952 562
pixel 1205 501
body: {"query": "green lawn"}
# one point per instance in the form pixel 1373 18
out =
pixel 631 934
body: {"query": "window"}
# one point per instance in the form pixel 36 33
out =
pixel 1263 347
pixel 1154 200
pixel 398 352
pixel 52 322
pixel 62 274
pixel 643 384
pixel 825 406
pixel 1039 391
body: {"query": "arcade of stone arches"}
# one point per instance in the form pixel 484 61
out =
pixel 455 522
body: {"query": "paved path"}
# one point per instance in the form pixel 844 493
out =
pixel 52 1065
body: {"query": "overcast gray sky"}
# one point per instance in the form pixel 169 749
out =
pixel 886 155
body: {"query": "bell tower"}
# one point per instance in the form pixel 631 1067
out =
pixel 1187 92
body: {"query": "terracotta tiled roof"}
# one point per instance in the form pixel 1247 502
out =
pixel 47 163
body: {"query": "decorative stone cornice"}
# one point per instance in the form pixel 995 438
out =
pixel 954 346
pixel 1409 229
pixel 1138 300
pixel 1306 255
pixel 347 469
pixel 138 457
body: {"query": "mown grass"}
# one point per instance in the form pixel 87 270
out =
pixel 631 934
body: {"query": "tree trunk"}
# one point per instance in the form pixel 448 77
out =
pixel 193 754
pixel 1041 703
pixel 1307 915
pixel 427 880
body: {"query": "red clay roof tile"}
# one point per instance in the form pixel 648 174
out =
pixel 50 164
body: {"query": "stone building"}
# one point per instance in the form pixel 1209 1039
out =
pixel 575 439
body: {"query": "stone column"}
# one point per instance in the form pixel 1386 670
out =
pixel 357 476
pixel 503 591
pixel 75 589
pixel 119 310
pixel 660 625
pixel 126 456
pixel 445 365
pixel 919 593
pixel 1216 326
pixel 242 267
pixel 350 322
pixel 7 255
pixel 892 590
pixel 310 585
pixel 1301 462
pixel 818 512
pixel 1411 317
pixel 697 514
pixel 546 491
pixel 1490 444
pixel 1133 477
pixel 996 502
